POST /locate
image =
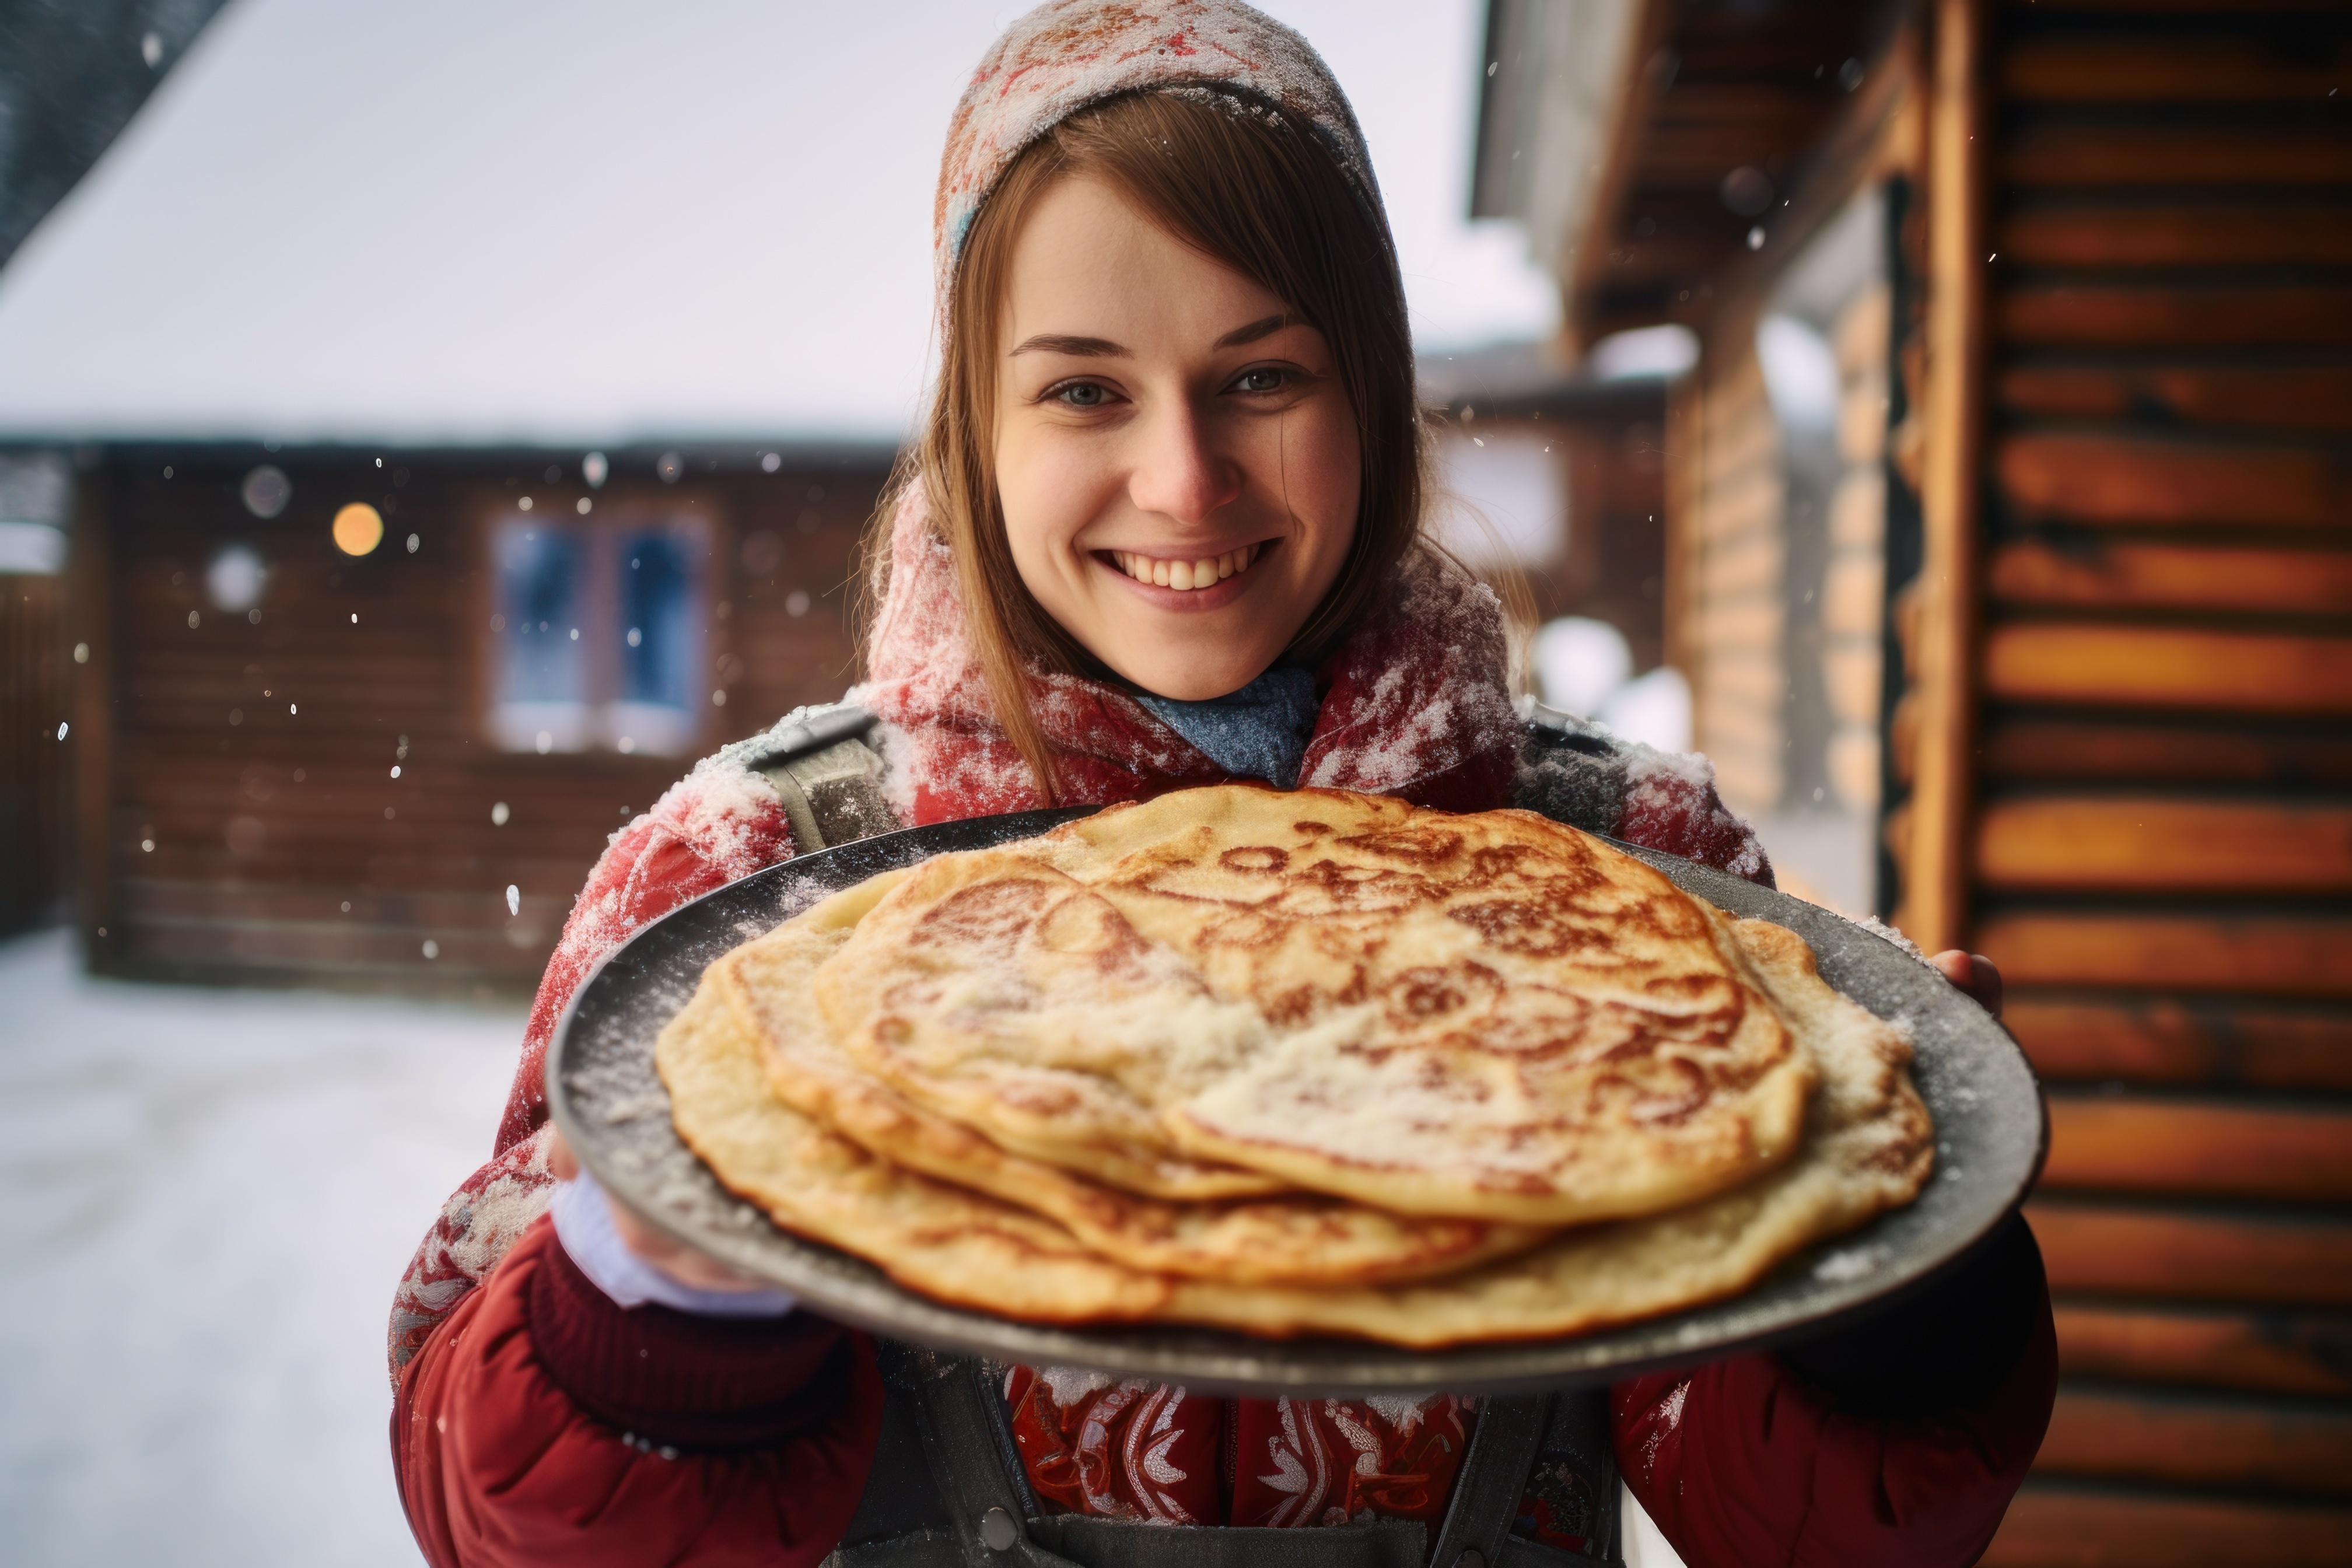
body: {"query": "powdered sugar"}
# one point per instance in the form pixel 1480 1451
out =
pixel 1849 1264
pixel 1879 928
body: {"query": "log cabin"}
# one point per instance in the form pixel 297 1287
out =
pixel 2009 546
pixel 365 717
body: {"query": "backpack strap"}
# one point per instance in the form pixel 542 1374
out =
pixel 829 778
pixel 1493 1474
pixel 954 1494
pixel 1569 769
pixel 1572 1490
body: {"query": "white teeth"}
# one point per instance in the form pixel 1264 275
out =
pixel 1184 575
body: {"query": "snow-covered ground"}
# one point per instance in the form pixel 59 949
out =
pixel 206 1198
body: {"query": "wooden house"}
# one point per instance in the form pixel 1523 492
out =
pixel 367 716
pixel 2037 587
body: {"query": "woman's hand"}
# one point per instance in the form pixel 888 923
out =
pixel 1974 974
pixel 697 1270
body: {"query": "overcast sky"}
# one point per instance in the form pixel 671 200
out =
pixel 584 220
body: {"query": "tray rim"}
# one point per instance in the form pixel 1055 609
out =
pixel 1214 1360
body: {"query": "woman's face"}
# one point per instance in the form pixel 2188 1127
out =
pixel 1175 457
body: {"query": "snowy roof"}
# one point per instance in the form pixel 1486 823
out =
pixel 584 221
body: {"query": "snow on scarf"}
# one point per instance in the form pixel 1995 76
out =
pixel 1414 704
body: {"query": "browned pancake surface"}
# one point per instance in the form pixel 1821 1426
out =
pixel 1485 1016
pixel 1293 1239
pixel 1868 1146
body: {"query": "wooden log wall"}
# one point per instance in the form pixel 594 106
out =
pixel 1733 609
pixel 2159 855
pixel 240 817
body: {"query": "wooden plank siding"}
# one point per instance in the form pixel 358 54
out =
pixel 2201 1147
pixel 2160 853
pixel 2172 1254
pixel 2267 1349
pixel 2061 1525
pixel 2135 482
pixel 35 664
pixel 1737 612
pixel 2106 842
pixel 245 821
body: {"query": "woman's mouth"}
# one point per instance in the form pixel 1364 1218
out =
pixel 1184 576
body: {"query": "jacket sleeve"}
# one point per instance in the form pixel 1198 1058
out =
pixel 508 1439
pixel 1901 1440
pixel 541 1424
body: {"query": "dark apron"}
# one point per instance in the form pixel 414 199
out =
pixel 948 1491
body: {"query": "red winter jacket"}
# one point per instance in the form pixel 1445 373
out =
pixel 536 1423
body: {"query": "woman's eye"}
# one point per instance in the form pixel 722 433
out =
pixel 1265 379
pixel 1081 394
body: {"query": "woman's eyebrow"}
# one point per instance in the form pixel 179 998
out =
pixel 1084 348
pixel 1103 348
pixel 1254 331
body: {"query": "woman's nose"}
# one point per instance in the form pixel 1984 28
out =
pixel 1178 472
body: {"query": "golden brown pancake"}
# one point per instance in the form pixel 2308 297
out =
pixel 1867 1147
pixel 1286 1238
pixel 999 993
pixel 1488 1017
pixel 933 1238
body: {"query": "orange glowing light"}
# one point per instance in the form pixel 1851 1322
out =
pixel 359 528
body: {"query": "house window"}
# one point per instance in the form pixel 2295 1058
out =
pixel 599 635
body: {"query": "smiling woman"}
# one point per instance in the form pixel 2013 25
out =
pixel 1174 439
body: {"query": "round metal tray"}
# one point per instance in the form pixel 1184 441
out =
pixel 605 1096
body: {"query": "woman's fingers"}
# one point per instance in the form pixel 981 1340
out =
pixel 1974 974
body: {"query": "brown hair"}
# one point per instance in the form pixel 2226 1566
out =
pixel 1252 188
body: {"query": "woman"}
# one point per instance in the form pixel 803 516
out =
pixel 1162 530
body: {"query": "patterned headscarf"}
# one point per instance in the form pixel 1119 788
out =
pixel 1068 54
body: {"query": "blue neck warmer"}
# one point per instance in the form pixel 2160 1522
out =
pixel 1257 732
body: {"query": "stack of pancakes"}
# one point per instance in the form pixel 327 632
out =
pixel 1296 1062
